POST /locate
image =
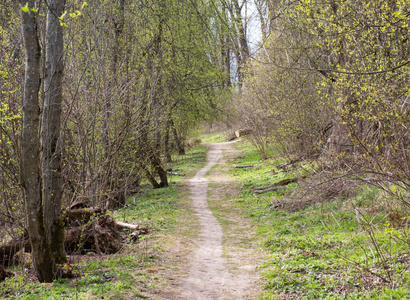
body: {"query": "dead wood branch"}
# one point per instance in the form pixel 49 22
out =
pixel 242 166
pixel 243 132
pixel 290 163
pixel 268 189
pixel 79 235
pixel 276 186
pixel 122 225
pixel 176 173
pixel 80 215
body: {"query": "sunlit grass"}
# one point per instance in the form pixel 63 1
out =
pixel 322 250
pixel 123 275
pixel 213 138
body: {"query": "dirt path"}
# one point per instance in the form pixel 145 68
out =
pixel 209 277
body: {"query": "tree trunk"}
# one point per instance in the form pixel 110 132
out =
pixel 167 150
pixel 156 163
pixel 178 144
pixel 30 143
pixel 151 178
pixel 50 132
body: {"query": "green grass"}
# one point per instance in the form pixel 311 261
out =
pixel 323 250
pixel 213 137
pixel 124 275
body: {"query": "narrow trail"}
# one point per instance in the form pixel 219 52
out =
pixel 209 277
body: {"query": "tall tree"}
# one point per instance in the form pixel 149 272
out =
pixel 30 158
pixel 50 131
pixel 40 174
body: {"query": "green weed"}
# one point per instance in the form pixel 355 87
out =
pixel 323 250
pixel 121 276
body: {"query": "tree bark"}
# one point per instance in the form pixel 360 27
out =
pixel 30 143
pixel 151 179
pixel 50 132
pixel 156 163
pixel 178 144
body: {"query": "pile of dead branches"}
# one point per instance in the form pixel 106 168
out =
pixel 87 230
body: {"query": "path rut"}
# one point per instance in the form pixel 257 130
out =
pixel 209 277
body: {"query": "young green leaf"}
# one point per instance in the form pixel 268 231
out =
pixel 62 16
pixel 25 8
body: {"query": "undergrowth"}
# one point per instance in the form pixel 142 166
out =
pixel 131 273
pixel 343 248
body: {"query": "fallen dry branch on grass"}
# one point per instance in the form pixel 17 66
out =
pixel 268 189
pixel 242 166
pixel 176 173
pixel 284 166
pixel 122 225
pixel 276 186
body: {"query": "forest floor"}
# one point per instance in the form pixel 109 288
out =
pixel 201 244
pixel 214 235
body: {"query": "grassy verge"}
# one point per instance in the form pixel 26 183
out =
pixel 341 249
pixel 213 138
pixel 141 270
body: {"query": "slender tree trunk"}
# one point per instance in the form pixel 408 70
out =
pixel 156 163
pixel 50 132
pixel 178 144
pixel 167 149
pixel 151 178
pixel 30 142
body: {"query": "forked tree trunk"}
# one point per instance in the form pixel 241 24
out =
pixel 156 163
pixel 30 142
pixel 43 214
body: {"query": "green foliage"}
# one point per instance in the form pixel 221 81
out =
pixel 213 138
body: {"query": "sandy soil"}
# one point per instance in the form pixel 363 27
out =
pixel 209 276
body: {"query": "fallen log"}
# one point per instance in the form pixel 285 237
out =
pixel 176 173
pixel 287 181
pixel 276 186
pixel 122 225
pixel 242 132
pixel 291 162
pixel 269 189
pixel 231 136
pixel 242 166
